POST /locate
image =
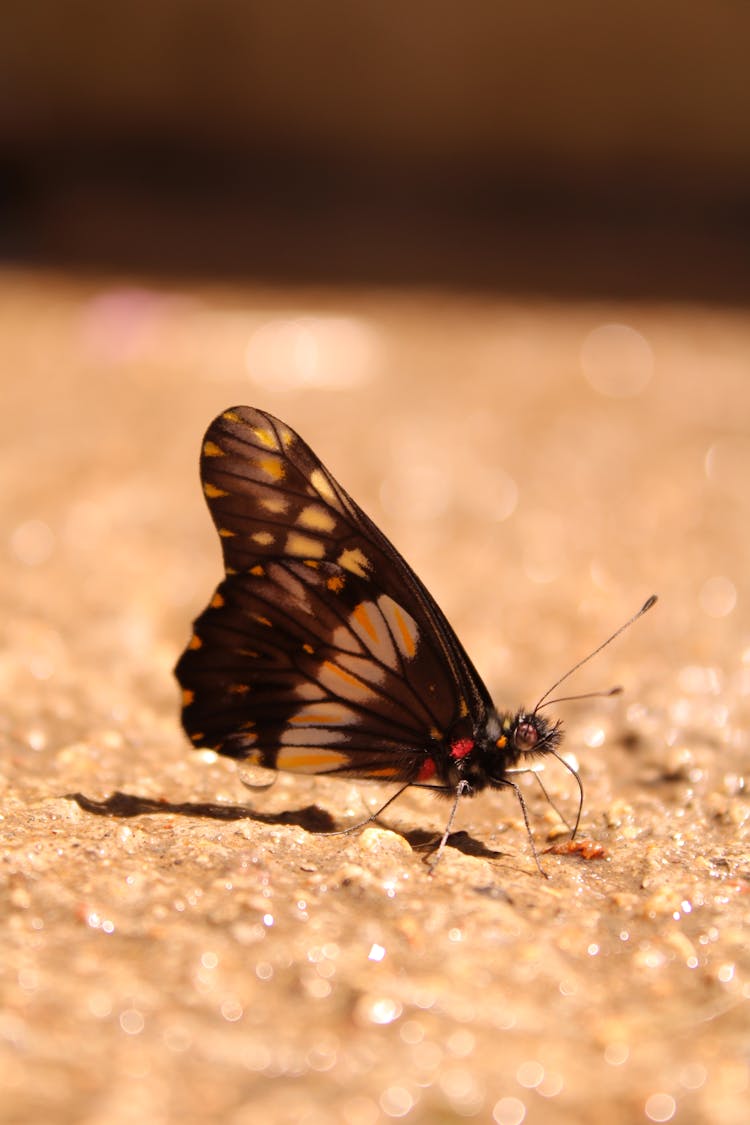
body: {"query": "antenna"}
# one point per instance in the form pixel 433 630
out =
pixel 605 694
pixel 644 609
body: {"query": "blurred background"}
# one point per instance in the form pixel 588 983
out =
pixel 528 146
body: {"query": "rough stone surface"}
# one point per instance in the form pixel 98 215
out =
pixel 178 947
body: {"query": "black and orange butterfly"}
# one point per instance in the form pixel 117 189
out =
pixel 322 651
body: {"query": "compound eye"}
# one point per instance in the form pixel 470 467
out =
pixel 526 736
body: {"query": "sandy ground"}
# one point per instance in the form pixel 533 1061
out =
pixel 177 947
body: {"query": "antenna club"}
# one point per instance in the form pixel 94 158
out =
pixel 649 603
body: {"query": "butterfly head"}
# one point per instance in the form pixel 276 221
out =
pixel 527 734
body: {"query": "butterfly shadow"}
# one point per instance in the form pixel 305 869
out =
pixel 462 841
pixel 311 818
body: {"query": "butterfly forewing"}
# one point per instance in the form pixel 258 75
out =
pixel 321 651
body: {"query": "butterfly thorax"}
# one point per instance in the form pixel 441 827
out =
pixel 481 753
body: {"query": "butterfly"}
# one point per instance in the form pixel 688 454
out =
pixel 322 652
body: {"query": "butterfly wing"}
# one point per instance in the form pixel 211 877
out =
pixel 321 651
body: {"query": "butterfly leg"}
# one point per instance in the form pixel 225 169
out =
pixel 463 789
pixel 368 820
pixel 524 810
pixel 550 802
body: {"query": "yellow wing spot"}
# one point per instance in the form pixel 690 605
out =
pixel 362 616
pixel 336 583
pixel 463 710
pixel 354 560
pixel 211 449
pixel 309 759
pixel 312 563
pixel 230 570
pixel 407 636
pixel 300 545
pixel 217 601
pixel 231 416
pixel 225 533
pixel 309 648
pixel 212 492
pixel 239 689
pixel 257 570
pixel 187 697
pixel 262 538
pixel 316 519
pixel 319 481
pixel 265 437
pixel 272 467
pixel 347 677
pixel 195 642
pixel 262 620
pixel 287 437
pixel 277 505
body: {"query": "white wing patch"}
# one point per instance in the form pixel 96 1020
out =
pixel 402 626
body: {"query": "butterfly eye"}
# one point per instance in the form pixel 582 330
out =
pixel 526 736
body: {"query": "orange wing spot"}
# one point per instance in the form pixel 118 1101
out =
pixel 309 759
pixel 187 697
pixel 230 570
pixel 225 533
pixel 239 689
pixel 212 492
pixel 435 733
pixel 195 641
pixel 309 648
pixel 248 652
pixel 197 736
pixel 311 716
pixel 265 437
pixel 217 601
pixel 211 449
pixel 347 677
pixel 384 772
pixel 336 583
pixel 502 742
pixel 231 416
pixel 257 570
pixel 407 636
pixel 248 724
pixel 272 467
pixel 362 616
pixel 262 620
pixel 312 563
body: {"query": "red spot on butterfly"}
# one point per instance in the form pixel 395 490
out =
pixel 461 748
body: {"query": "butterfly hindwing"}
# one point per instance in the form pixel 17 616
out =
pixel 321 651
